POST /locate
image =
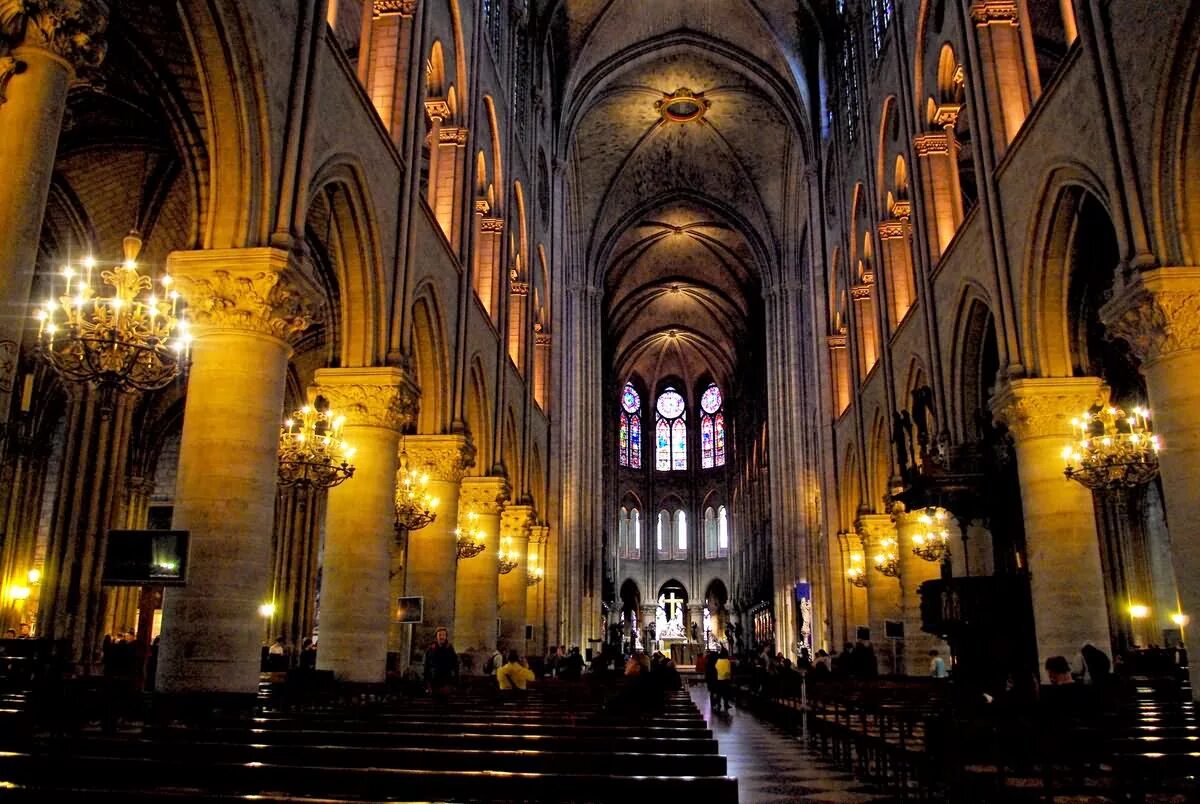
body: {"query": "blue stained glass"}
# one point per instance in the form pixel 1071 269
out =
pixel 624 440
pixel 711 401
pixel 635 442
pixel 706 442
pixel 670 404
pixel 630 400
pixel 662 433
pixel 719 440
pixel 679 445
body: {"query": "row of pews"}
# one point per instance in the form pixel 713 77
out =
pixel 560 742
pixel 916 738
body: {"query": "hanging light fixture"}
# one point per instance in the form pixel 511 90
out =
pixel 415 506
pixel 1112 449
pixel 534 577
pixel 128 336
pixel 857 572
pixel 470 537
pixel 887 561
pixel 932 541
pixel 508 556
pixel 311 450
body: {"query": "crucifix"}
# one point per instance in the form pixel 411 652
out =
pixel 671 604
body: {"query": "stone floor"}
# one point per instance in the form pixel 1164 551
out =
pixel 773 766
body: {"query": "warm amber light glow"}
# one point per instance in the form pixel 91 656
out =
pixel 1139 612
pixel 266 610
pixel 19 592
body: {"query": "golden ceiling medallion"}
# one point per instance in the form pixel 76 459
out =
pixel 682 106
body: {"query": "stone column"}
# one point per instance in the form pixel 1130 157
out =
pixel 695 613
pixel 883 592
pixel 244 304
pixel 1158 313
pixel 939 188
pixel 914 571
pixel 432 550
pixel 295 552
pixel 535 596
pixel 478 578
pixel 48 41
pixel 647 619
pixel 1010 87
pixel 1063 550
pixel 384 59
pixel 23 477
pixel 514 531
pixel 356 605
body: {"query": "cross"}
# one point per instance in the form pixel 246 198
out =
pixel 672 602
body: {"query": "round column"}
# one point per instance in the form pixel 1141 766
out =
pixel 431 557
pixel 34 77
pixel 883 592
pixel 1158 313
pixel 356 605
pixel 535 594
pixel 514 587
pixel 478 577
pixel 1063 550
pixel 915 571
pixel 243 305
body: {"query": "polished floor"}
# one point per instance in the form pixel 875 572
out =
pixel 773 767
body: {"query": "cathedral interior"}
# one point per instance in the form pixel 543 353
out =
pixel 829 357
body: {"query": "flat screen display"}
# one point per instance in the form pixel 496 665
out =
pixel 146 558
pixel 410 609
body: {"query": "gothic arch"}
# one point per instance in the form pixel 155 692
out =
pixel 479 413
pixel 1176 161
pixel 1044 324
pixel 849 491
pixel 353 243
pixel 512 449
pixel 975 323
pixel 431 360
pixel 493 141
pixel 879 471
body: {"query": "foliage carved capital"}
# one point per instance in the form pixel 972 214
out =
pixel 1157 313
pixel 483 495
pixel 445 458
pixel 1043 408
pixel 371 397
pixel 69 29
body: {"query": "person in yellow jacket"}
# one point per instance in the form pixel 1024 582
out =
pixel 724 680
pixel 514 674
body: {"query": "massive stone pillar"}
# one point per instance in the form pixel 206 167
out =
pixel 1065 577
pixel 383 63
pixel 940 190
pixel 356 603
pixel 1158 313
pixel 535 591
pixel 478 578
pixel 514 535
pixel 914 571
pixel 883 592
pixel 432 550
pixel 47 42
pixel 295 555
pixel 244 304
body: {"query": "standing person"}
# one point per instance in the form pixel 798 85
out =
pixel 572 668
pixel 710 679
pixel 494 663
pixel 441 665
pixel 724 668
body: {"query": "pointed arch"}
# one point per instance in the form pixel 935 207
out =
pixel 431 360
pixel 479 416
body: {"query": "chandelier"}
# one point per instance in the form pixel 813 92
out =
pixel 887 561
pixel 415 506
pixel 932 541
pixel 535 576
pixel 1112 449
pixel 132 338
pixel 470 538
pixel 311 450
pixel 508 557
pixel 857 573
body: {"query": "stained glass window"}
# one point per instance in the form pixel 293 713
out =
pixel 710 533
pixel 630 446
pixel 671 432
pixel 712 428
pixel 722 532
pixel 662 533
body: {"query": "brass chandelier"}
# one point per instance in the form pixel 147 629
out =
pixel 1112 449
pixel 470 537
pixel 534 577
pixel 415 506
pixel 508 557
pixel 932 541
pixel 887 561
pixel 127 337
pixel 856 574
pixel 311 450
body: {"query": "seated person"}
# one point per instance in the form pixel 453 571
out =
pixel 515 673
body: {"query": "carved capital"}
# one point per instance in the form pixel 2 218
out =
pixel 1043 408
pixel 452 135
pixel 874 528
pixel 251 289
pixel 1158 313
pixel 891 229
pixel 836 341
pixel 931 143
pixel 405 8
pixel 482 207
pixel 72 30
pixel 519 288
pixel 443 457
pixel 9 66
pixel 946 114
pixel 860 292
pixel 483 495
pixel 539 534
pixel 902 209
pixel 437 109
pixel 541 339
pixel 515 521
pixel 995 12
pixel 492 225
pixel 369 397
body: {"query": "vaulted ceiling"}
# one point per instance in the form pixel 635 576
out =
pixel 682 221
